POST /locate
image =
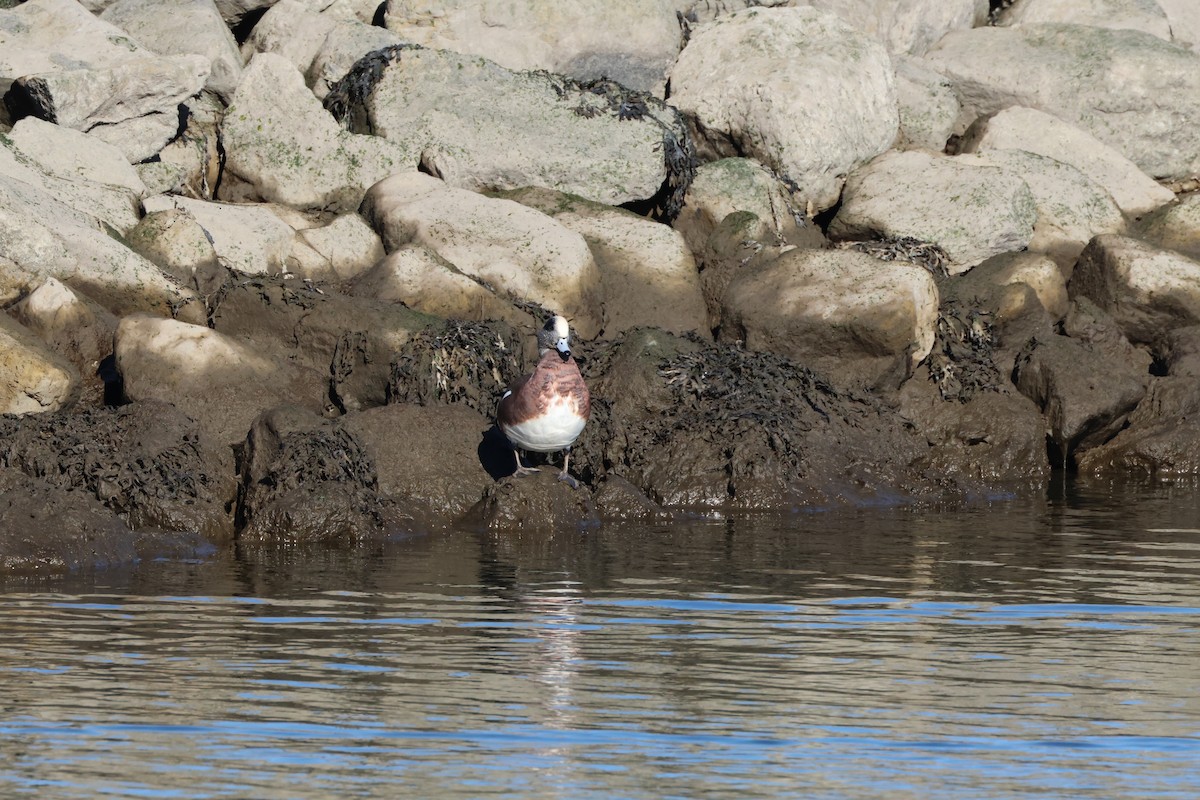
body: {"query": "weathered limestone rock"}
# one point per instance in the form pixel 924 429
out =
pixel 1161 436
pixel 178 27
pixel 33 380
pixel 69 67
pixel 1071 208
pixel 1038 272
pixel 628 41
pixel 463 114
pixel 907 26
pixel 1148 291
pixel 75 168
pixel 538 503
pixel 292 30
pixel 928 107
pixel 149 462
pixel 735 184
pixel 748 83
pixel 970 211
pixel 181 247
pixel 281 146
pixel 1130 89
pixel 647 273
pixel 1175 227
pixel 342 48
pixel 43 236
pixel 517 250
pixel 196 152
pixel 834 310
pixel 1019 128
pixel 1138 15
pixel 247 238
pixel 344 248
pixel 73 327
pixel 422 280
pixel 220 381
pixel 1184 18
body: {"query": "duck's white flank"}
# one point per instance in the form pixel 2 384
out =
pixel 555 429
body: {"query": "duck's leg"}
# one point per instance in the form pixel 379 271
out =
pixel 564 476
pixel 521 468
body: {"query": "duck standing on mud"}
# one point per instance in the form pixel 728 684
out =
pixel 545 411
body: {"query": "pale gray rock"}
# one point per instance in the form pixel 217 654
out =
pixel 1147 290
pixel 723 187
pixel 928 106
pixel 1020 128
pixel 1071 208
pixel 248 238
pixel 344 248
pixel 628 41
pixel 291 30
pixel 178 27
pixel 424 281
pixel 835 309
pixel 908 26
pixel 517 250
pixel 71 68
pixel 1139 15
pixel 33 379
pixel 1130 89
pixel 1175 226
pixel 341 50
pixel 463 114
pixel 82 171
pixel 970 211
pixel 1184 17
pixel 648 275
pixel 46 237
pixel 173 239
pixel 797 89
pixel 73 327
pixel 281 146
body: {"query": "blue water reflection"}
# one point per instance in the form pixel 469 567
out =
pixel 1032 649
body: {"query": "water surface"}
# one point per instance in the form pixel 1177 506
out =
pixel 1044 647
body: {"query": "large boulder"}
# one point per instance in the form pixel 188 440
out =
pixel 245 237
pixel 928 106
pixel 149 462
pixel 628 41
pixel 970 211
pixel 281 146
pixel 178 27
pixel 33 379
pixel 343 249
pixel 1175 227
pixel 462 114
pixel 43 236
pixel 1020 128
pixel 1138 15
pixel 1130 89
pixel 1149 291
pixel 647 273
pixel 728 185
pixel 1071 208
pixel 223 382
pixel 837 311
pixel 517 250
pixel 75 328
pixel 906 26
pixel 420 279
pixel 78 169
pixel 67 66
pixel 795 88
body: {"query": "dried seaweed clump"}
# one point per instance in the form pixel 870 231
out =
pixel 961 361
pixel 732 391
pixel 905 248
pixel 351 92
pixel 466 362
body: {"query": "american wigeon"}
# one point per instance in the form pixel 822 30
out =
pixel 545 411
